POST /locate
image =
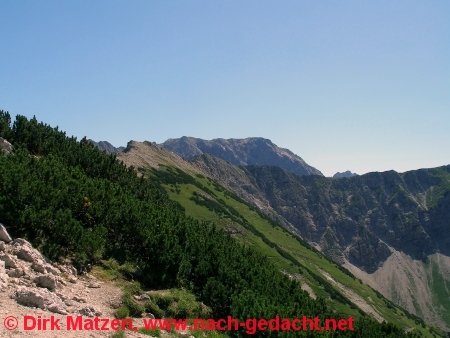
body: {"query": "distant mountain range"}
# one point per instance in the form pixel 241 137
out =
pixel 391 230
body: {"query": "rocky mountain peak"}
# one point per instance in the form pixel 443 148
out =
pixel 107 147
pixel 247 151
pixel 344 174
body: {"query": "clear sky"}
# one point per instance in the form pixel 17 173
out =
pixel 359 85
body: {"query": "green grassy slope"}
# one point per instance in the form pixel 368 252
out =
pixel 204 199
pixel 441 288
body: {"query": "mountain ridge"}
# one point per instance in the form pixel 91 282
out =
pixel 248 151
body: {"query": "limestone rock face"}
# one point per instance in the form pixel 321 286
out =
pixel 248 151
pixel 40 298
pixel 16 273
pixel 3 275
pixel 9 260
pixel 47 281
pixel 5 146
pixel 344 174
pixel 107 147
pixel 39 267
pixel 25 270
pixel 4 236
pixel 27 278
pixel 26 252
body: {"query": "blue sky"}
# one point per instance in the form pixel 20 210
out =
pixel 359 85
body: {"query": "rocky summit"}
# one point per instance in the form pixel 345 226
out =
pixel 248 151
pixel 107 147
pixel 344 174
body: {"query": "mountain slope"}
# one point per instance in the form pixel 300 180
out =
pixel 150 155
pixel 369 222
pixel 249 151
pixel 236 180
pixel 203 199
pixel 365 214
pixel 365 223
pixel 421 287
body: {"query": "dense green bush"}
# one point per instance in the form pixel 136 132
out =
pixel 122 312
pixel 176 303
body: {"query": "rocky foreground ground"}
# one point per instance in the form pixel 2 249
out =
pixel 31 285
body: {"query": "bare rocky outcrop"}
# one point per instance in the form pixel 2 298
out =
pixel 409 283
pixel 248 151
pixel 107 147
pixel 34 281
pixel 40 298
pixel 16 273
pixel 35 286
pixel 47 281
pixel 25 251
pixel 5 146
pixel 3 276
pixel 345 174
pixel 4 236
pixel 39 267
pixel 11 262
